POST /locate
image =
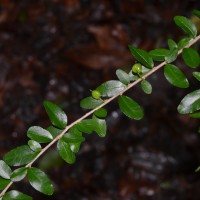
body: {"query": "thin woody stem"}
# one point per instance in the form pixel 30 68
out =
pixel 107 101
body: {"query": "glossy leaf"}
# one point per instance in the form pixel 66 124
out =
pixel 40 181
pixel 195 115
pixel 56 114
pixel 186 25
pixel 39 134
pixel 34 146
pixel 102 112
pixel 196 75
pixel 190 103
pixel 130 108
pixel 20 156
pixel 3 183
pixel 100 126
pixel 86 126
pixel 175 76
pixel 54 131
pixel 75 147
pixel 142 56
pixel 172 44
pixel 191 57
pixel 146 87
pixel 159 54
pixel 196 13
pixel 73 136
pixel 5 170
pixel 110 88
pixel 65 151
pixel 171 56
pixel 123 76
pixel 15 195
pixel 183 42
pixel 18 174
pixel 90 103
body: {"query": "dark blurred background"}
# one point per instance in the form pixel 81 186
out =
pixel 60 49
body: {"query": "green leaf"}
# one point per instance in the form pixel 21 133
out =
pixel 5 170
pixel 198 169
pixel 90 103
pixel 75 147
pixel 171 56
pixel 20 156
pixel 18 174
pixel 142 56
pixel 15 195
pixel 99 126
pixel 34 146
pixel 190 103
pixel 86 126
pixel 73 136
pixel 40 181
pixel 183 42
pixel 123 76
pixel 65 152
pixel 159 54
pixel 195 115
pixel 39 134
pixel 3 183
pixel 110 88
pixel 54 131
pixel 56 114
pixel 186 25
pixel 172 44
pixel 191 57
pixel 146 87
pixel 130 108
pixel 175 76
pixel 132 76
pixel 102 112
pixel 196 13
pixel 196 75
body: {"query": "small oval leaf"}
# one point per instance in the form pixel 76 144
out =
pixel 20 156
pixel 40 181
pixel 175 76
pixel 196 13
pixel 3 183
pixel 123 76
pixel 171 56
pixel 56 114
pixel 191 57
pixel 142 56
pixel 39 134
pixel 159 54
pixel 110 88
pixel 65 152
pixel 54 131
pixel 99 126
pixel 90 103
pixel 102 112
pixel 146 87
pixel 5 170
pixel 73 136
pixel 15 195
pixel 34 146
pixel 183 42
pixel 190 103
pixel 18 174
pixel 130 108
pixel 186 25
pixel 196 75
pixel 172 44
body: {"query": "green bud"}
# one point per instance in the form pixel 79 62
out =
pixel 96 94
pixel 137 68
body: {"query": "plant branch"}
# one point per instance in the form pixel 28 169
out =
pixel 102 105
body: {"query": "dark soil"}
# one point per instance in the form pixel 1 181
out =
pixel 60 49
